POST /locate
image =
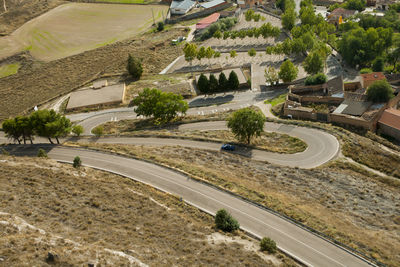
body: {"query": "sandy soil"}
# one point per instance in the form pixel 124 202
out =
pixel 76 27
pixel 86 216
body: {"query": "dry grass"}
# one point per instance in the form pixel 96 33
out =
pixel 39 82
pixel 340 200
pixel 88 216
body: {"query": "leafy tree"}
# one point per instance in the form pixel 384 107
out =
pixel 98 131
pixel 213 84
pixel 190 51
pixel 201 53
pixel 163 106
pixel 77 130
pixel 307 15
pixel 160 26
pixel 11 130
pixel 77 162
pixel 217 54
pixel 318 78
pixel 233 81
pixel 246 123
pixel 233 54
pixel 355 5
pixel 288 71
pixel 271 75
pixel 134 67
pixel 203 84
pixel 289 19
pixel 269 245
pixel 313 63
pixel 217 34
pixel 378 64
pixel 226 35
pixel 225 222
pixel 25 126
pixel 365 70
pixel 50 124
pixel 222 82
pixel 248 15
pixel 61 127
pixel 41 153
pixel 209 53
pixel 252 52
pixel 380 91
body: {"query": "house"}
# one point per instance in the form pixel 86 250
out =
pixel 212 4
pixel 384 4
pixel 337 16
pixel 389 123
pixel 207 21
pixel 249 3
pixel 368 78
pixel 181 7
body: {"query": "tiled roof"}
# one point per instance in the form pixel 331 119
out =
pixel 391 117
pixel 343 12
pixel 354 108
pixel 210 19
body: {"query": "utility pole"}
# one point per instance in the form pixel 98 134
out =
pixel 152 13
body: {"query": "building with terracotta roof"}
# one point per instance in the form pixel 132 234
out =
pixel 207 21
pixel 389 123
pixel 368 78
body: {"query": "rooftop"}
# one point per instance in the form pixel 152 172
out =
pixel 351 107
pixel 212 3
pixel 391 117
pixel 342 12
pixel 369 78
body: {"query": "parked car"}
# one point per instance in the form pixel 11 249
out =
pixel 228 147
pixel 177 41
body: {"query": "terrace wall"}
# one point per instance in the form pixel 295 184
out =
pixel 199 14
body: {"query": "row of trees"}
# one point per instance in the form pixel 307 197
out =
pixel 162 106
pixel 191 52
pixel 44 123
pixel 266 30
pixel 287 73
pixel 250 15
pixel 212 85
pixel 222 25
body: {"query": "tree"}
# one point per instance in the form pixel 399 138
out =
pixel 190 51
pixel 378 64
pixel 50 124
pixel 209 53
pixel 318 78
pixel 217 34
pixel 217 54
pixel 61 127
pixel 222 82
pixel 201 53
pixel 203 84
pixel 380 91
pixel 289 19
pixel 25 126
pixel 313 63
pixel 163 106
pixel 77 130
pixel 252 52
pixel 41 153
pixel 77 162
pixel 233 81
pixel 213 84
pixel 246 123
pixel 11 130
pixel 271 75
pixel 233 54
pixel 355 4
pixel 225 222
pixel 98 131
pixel 134 67
pixel 288 71
pixel 269 245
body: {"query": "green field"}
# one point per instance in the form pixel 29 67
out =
pixel 73 28
pixel 8 69
pixel 277 100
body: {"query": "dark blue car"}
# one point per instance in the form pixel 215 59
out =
pixel 228 147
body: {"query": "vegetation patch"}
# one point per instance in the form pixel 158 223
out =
pixel 277 100
pixel 9 69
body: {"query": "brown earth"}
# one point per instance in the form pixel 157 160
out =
pixel 86 216
pixel 21 11
pixel 43 81
pixel 341 200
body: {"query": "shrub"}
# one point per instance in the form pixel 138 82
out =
pixel 269 245
pixel 252 52
pixel 134 67
pixel 98 131
pixel 378 64
pixel 365 70
pixel 318 78
pixel 41 153
pixel 380 91
pixel 203 84
pixel 77 162
pixel 160 26
pixel 222 25
pixel 77 130
pixel 225 222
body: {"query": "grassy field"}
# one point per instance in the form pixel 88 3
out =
pixel 76 27
pixel 277 100
pixel 8 69
pixel 87 216
pixel 341 200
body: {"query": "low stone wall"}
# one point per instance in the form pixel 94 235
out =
pixel 199 14
pixel 387 130
pixel 347 120
pixel 330 100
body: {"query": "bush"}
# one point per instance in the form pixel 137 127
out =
pixel 378 64
pixel 225 222
pixel 318 78
pixel 269 245
pixel 380 91
pixel 222 25
pixel 98 131
pixel 160 26
pixel 365 70
pixel 77 162
pixel 252 52
pixel 203 84
pixel 134 67
pixel 77 130
pixel 41 153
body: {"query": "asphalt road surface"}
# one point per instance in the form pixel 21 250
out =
pixel 301 244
